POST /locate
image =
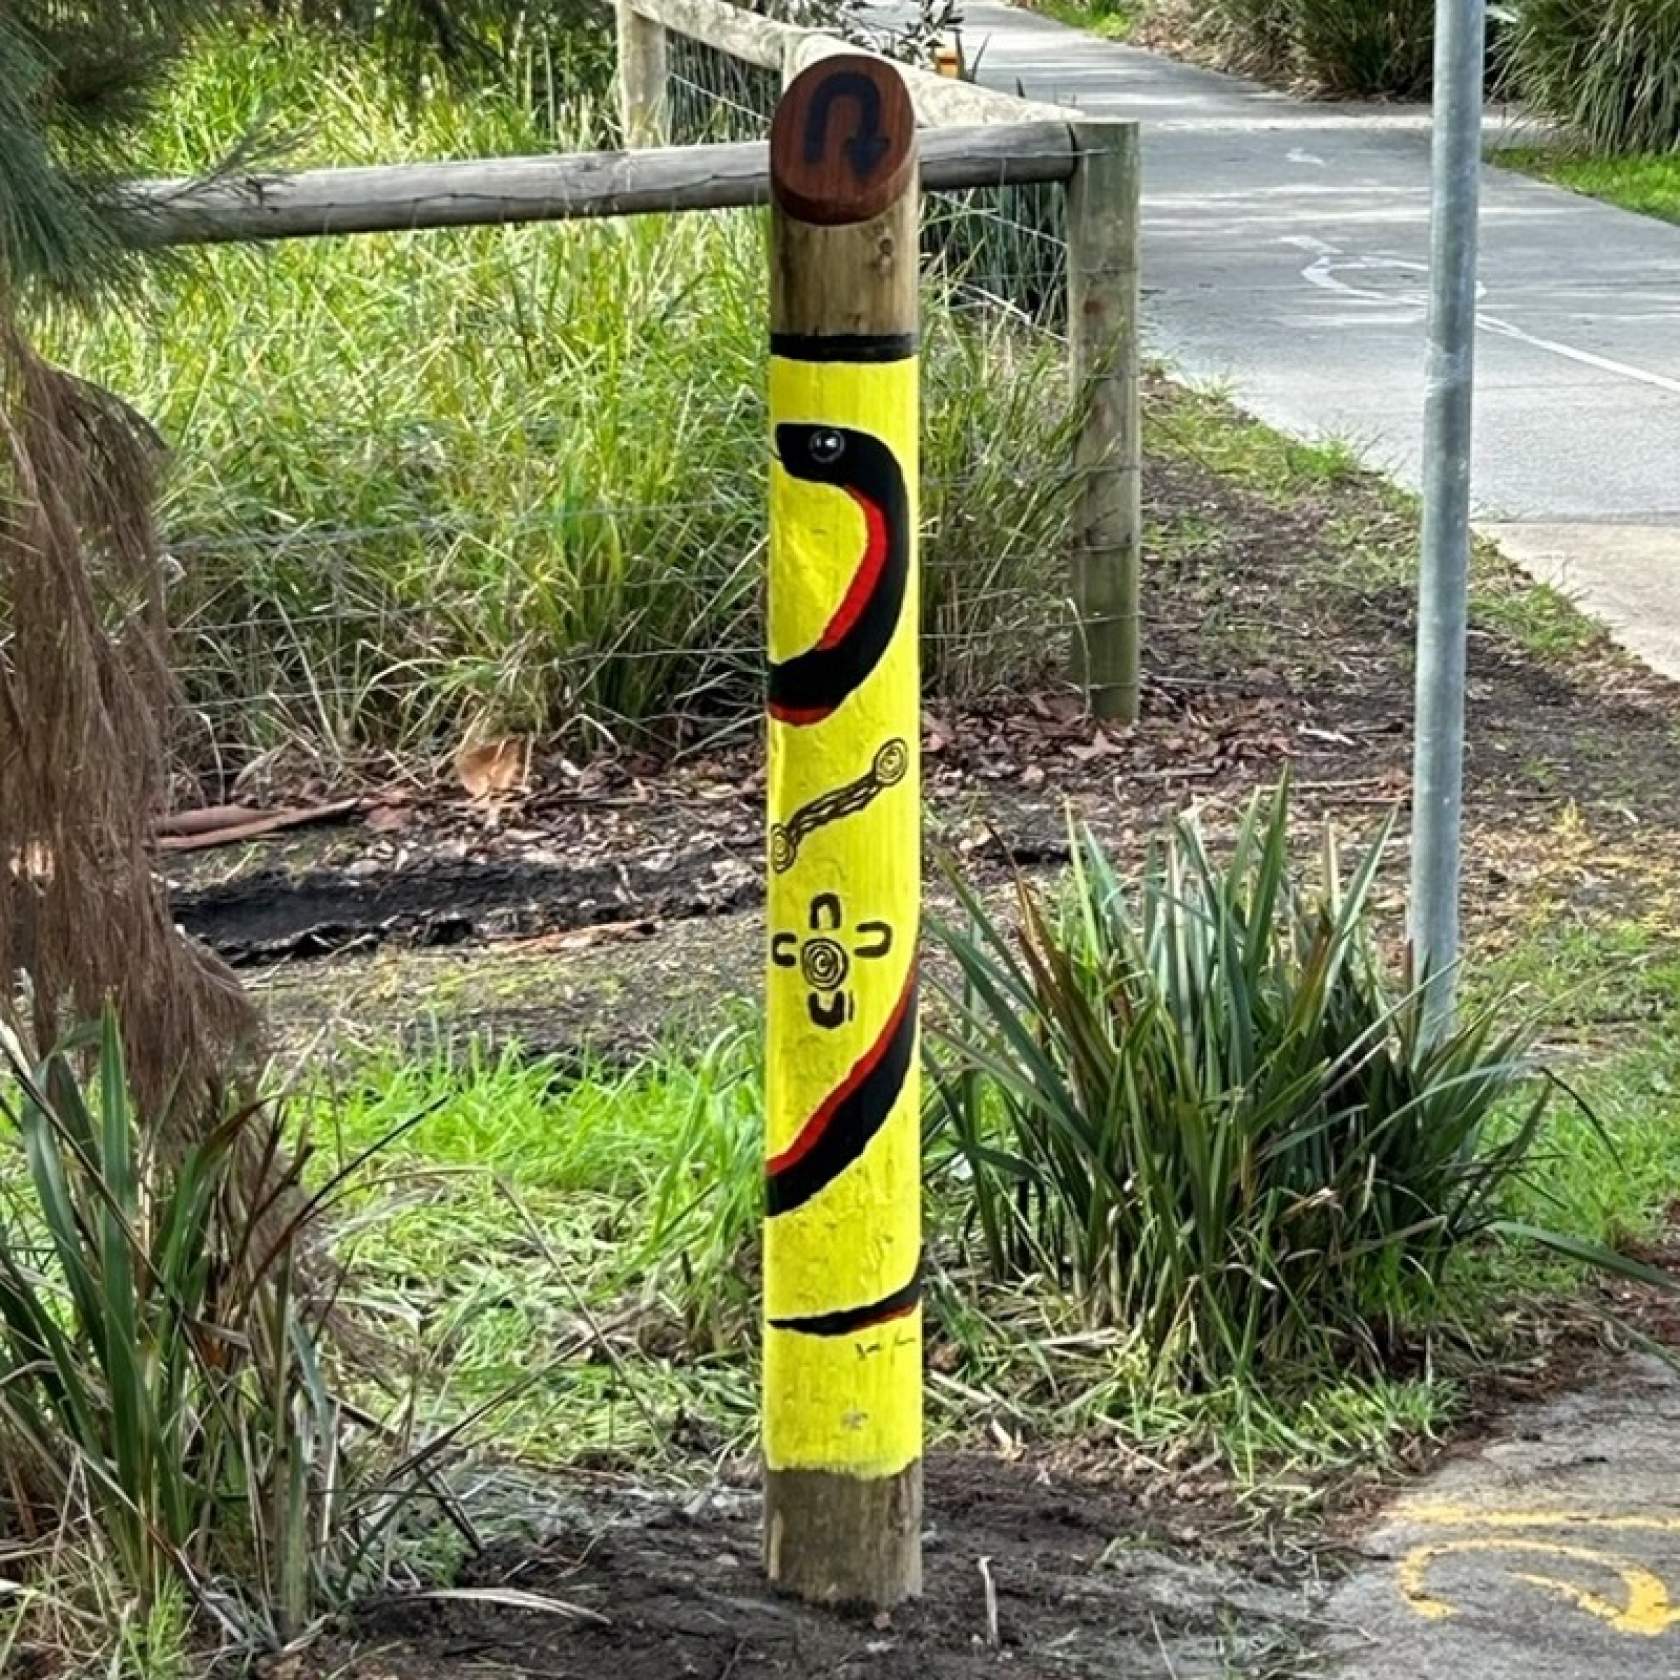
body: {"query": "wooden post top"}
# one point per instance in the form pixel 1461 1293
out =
pixel 843 143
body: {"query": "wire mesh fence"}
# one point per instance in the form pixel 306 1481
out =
pixel 714 97
pixel 1004 246
pixel 605 621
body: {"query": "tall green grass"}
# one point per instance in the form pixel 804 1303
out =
pixel 1607 70
pixel 1349 48
pixel 515 476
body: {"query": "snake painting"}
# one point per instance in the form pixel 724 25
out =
pixel 812 685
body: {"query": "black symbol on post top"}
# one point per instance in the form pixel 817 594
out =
pixel 824 960
pixel 868 145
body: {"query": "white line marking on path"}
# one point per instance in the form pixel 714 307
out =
pixel 1329 265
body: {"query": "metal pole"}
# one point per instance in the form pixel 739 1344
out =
pixel 1443 577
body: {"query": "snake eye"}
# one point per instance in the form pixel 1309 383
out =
pixel 827 446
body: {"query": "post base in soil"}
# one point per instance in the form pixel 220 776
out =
pixel 834 1539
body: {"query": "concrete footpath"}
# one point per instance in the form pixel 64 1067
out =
pixel 1553 1553
pixel 1285 256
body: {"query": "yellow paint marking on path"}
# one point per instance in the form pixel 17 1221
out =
pixel 1478 1516
pixel 1647 1613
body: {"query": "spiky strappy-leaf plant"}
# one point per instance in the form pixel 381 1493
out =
pixel 1203 1106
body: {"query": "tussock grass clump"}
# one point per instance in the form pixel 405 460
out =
pixel 1608 70
pixel 517 475
pixel 1348 48
pixel 1206 1109
pixel 166 1406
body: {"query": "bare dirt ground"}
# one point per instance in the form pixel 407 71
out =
pixel 1084 1580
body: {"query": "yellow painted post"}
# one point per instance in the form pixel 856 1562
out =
pixel 842 1252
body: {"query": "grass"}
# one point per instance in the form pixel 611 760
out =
pixel 513 477
pixel 525 1207
pixel 540 1200
pixel 534 1199
pixel 166 1409
pixel 1645 182
pixel 1114 20
pixel 1344 49
pixel 1607 73
pixel 1616 1011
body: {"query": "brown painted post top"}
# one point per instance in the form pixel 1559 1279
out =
pixel 843 144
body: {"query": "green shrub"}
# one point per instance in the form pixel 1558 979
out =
pixel 1608 70
pixel 161 1370
pixel 1254 32
pixel 1351 48
pixel 1209 1113
pixel 1361 47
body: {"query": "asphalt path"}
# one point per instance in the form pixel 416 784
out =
pixel 1285 252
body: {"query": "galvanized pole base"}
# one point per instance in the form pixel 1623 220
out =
pixel 1444 572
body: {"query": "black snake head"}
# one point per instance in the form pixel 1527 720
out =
pixel 819 454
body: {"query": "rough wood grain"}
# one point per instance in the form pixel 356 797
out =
pixel 848 278
pixel 939 100
pixel 1103 301
pixel 838 1540
pixel 644 75
pixel 398 197
pixel 731 29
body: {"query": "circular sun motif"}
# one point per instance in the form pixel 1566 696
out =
pixel 824 964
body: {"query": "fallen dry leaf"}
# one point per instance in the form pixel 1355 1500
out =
pixel 487 768
pixel 1100 747
pixel 388 819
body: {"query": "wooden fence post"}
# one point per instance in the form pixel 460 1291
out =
pixel 643 79
pixel 842 1248
pixel 1103 298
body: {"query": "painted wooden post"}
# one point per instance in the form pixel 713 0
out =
pixel 1103 353
pixel 842 1251
pixel 643 79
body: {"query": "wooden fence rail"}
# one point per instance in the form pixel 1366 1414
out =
pixel 939 101
pixel 397 198
pixel 973 137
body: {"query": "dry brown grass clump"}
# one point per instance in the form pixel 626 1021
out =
pixel 84 693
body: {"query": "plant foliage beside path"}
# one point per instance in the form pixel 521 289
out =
pixel 515 476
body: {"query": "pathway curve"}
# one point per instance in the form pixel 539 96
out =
pixel 1285 251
